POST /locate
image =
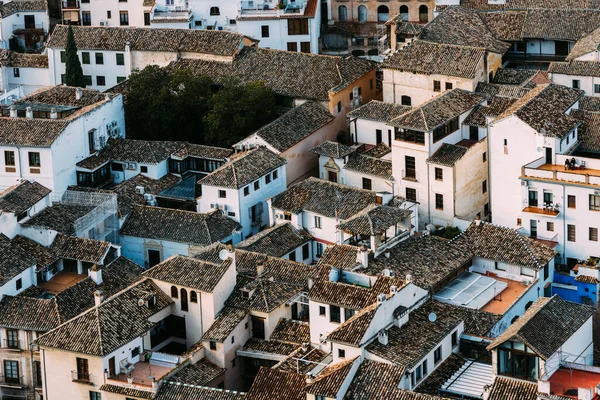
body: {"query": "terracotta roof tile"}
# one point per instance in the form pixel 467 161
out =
pixel 276 241
pixel 199 374
pixel 513 389
pixel 75 248
pixel 378 111
pixel 276 384
pixel 21 197
pixel 225 322
pixel 189 272
pixel 290 331
pixel 588 133
pixel 329 381
pixel 332 149
pixel 179 391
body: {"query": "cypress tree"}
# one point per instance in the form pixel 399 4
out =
pixel 74 72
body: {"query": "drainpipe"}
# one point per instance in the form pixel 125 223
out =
pixel 45 380
pixel 428 197
pixel 564 225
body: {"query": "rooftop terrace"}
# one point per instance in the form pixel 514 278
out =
pixel 585 172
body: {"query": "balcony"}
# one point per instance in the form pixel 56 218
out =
pixel 12 381
pixel 548 210
pixel 142 374
pixel 12 344
pixel 28 28
pixel 70 5
pixel 270 8
pixel 172 15
pixel 586 171
pixel 85 378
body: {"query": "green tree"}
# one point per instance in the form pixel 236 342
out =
pixel 237 110
pixel 74 72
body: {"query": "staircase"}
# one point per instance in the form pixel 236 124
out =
pixel 470 380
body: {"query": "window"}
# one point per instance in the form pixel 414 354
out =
pixel 486 209
pixel 86 18
pixel 9 158
pixel 576 84
pixel 342 14
pixel 88 80
pixel 593 234
pixel 519 222
pixel 437 355
pixel 116 166
pixel 215 11
pixel 287 216
pixel 83 371
pixel 99 58
pixel 292 46
pixel 193 296
pixel 548 197
pixel 571 234
pixel 147 19
pixel 596 88
pixel 404 13
pixel 339 106
pixel 100 80
pixel 423 13
pixel 109 14
pixel 406 101
pixel 174 292
pixel 517 360
pixel 143 169
pixel 120 59
pixel 85 57
pixel 341 353
pixel 63 56
pixel 321 310
pixel 594 202
pixel 550 226
pixel 123 18
pixel 256 185
pixel 411 195
pixel 499 267
pixel 439 201
pixel 448 85
pixel 348 313
pixel 95 396
pixel 484 156
pixel 424 368
pixel 362 14
pixel 484 186
pixel 366 184
pixel 184 300
pixel 410 171
pixel 264 31
pixel 232 339
pixel 317 222
pixel 334 314
pixel 320 249
pixel 12 339
pixel 305 251
pixel 446 129
pixel 371 84
pixel 34 159
pixel 298 26
pixel 305 47
pixel 454 338
pixel 16 72
pixel 19 284
pixel 222 194
pixel 437 86
pixel 439 174
pixel 292 256
pixel 571 201
pixel 11 371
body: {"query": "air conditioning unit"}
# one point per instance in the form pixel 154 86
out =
pixel 132 166
pixel 102 23
pixel 215 206
pixel 140 190
pixel 524 183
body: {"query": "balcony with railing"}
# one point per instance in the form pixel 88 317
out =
pixel 81 377
pixel 172 14
pixel 28 28
pixel 584 171
pixel 249 8
pixel 12 381
pixel 70 4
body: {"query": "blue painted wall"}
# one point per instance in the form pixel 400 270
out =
pixel 583 289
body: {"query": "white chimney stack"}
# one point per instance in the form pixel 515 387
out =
pixel 260 268
pixel 98 297
pixel 408 278
pixel 362 256
pixel 29 112
pixel 382 337
pixel 53 113
pixel 393 289
pixel 13 111
pixel 96 274
pixel 78 93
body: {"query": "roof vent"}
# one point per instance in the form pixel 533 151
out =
pixel 140 189
pixel 78 93
pixel 305 346
pixel 393 289
pixel 13 111
pixel 409 278
pixel 381 298
pixel 386 272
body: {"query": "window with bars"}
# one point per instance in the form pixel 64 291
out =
pixel 593 234
pixel 298 26
pixel 571 233
pixel 439 201
pixel 571 201
pixel 439 174
pixel 411 195
pixel 594 202
pixel 445 130
pixel 410 167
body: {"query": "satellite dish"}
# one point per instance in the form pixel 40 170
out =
pixel 539 149
pixel 432 317
pixel 224 254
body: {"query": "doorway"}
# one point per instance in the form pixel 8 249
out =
pixel 153 257
pixel 549 155
pixel 561 48
pixel 29 21
pixel 533 228
pixel 112 371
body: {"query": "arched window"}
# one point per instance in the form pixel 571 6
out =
pixel 423 13
pixel 383 13
pixel 184 300
pixel 215 11
pixel 406 101
pixel 342 14
pixel 193 297
pixel 174 293
pixel 404 13
pixel 362 14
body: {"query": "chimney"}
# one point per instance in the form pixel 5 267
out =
pixel 29 112
pixel 98 297
pixel 107 97
pixel 477 221
pixel 393 289
pixel 382 337
pixel 78 93
pixel 260 268
pixel 381 298
pixel 53 113
pixel 13 111
pixel 362 256
pixel 310 282
pixel 408 278
pixel 96 274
